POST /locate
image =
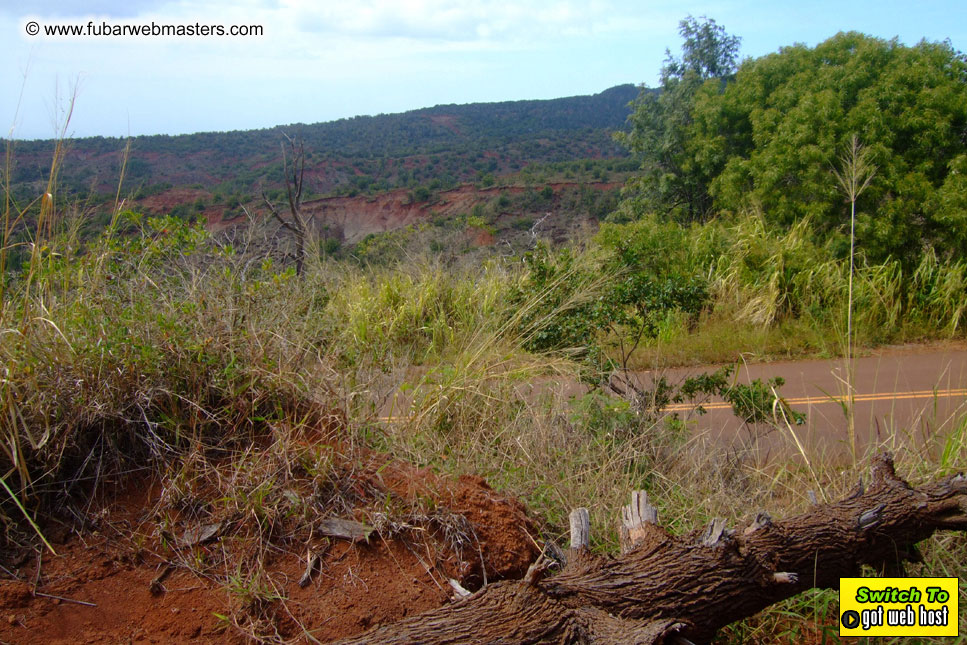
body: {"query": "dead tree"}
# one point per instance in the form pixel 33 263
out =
pixel 294 174
pixel 667 589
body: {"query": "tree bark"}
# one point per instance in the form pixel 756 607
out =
pixel 681 589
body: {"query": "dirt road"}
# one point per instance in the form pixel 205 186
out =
pixel 910 394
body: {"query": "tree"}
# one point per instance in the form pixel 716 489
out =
pixel 784 118
pixel 674 179
pixel 708 51
pixel 764 138
pixel 293 172
pixel 679 589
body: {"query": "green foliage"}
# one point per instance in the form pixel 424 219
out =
pixel 522 223
pixel 759 401
pixel 330 246
pixel 420 194
pixel 770 137
pixel 129 341
pixel 603 416
pixel 764 276
pixel 383 248
pixel 562 312
pixel 364 155
pixel 578 302
pixel 755 402
pixel 656 272
pixel 152 189
pixel 708 51
pixel 907 104
pixel 675 173
pixel 478 222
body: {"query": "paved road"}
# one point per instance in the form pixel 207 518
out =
pixel 907 394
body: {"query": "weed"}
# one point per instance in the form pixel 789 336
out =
pixel 254 395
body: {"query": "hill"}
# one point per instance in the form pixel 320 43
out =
pixel 446 143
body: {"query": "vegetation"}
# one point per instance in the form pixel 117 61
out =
pixel 674 177
pixel 247 389
pixel 768 137
pixel 210 354
pixel 365 154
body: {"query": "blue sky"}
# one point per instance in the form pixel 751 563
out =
pixel 319 61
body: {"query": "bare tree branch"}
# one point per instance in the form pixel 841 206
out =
pixel 293 171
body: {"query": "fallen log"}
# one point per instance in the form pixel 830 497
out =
pixel 667 589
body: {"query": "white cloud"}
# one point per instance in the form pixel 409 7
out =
pixel 484 22
pixel 69 8
pixel 316 60
pixel 321 59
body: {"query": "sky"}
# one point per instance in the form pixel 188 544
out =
pixel 324 60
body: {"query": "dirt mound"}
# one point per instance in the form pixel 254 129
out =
pixel 353 218
pixel 130 577
pixel 167 200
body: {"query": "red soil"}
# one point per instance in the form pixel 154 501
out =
pixel 353 218
pixel 355 587
pixel 165 201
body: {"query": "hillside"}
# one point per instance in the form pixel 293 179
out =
pixel 446 143
pixel 223 426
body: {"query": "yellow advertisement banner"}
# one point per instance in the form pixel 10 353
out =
pixel 898 607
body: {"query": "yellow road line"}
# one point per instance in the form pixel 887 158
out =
pixel 804 400
pixel 859 398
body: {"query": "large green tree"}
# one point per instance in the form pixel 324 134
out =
pixel 675 176
pixel 786 118
pixel 767 136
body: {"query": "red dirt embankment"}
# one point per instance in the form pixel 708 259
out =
pixel 351 219
pixel 99 586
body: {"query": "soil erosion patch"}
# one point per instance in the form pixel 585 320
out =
pixel 140 572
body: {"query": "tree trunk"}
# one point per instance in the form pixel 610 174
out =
pixel 669 589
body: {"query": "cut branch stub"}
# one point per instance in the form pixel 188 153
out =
pixel 785 577
pixel 580 530
pixel 761 521
pixel 714 532
pixel 639 522
pixel 458 590
pixel 579 555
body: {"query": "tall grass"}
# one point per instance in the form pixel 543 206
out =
pixel 854 177
pixel 159 336
pixel 28 310
pixel 416 313
pixel 161 347
pixel 778 292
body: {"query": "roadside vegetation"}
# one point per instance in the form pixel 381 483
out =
pixel 156 348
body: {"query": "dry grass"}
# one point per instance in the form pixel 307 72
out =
pixel 160 347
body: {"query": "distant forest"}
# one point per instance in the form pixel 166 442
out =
pixel 442 145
